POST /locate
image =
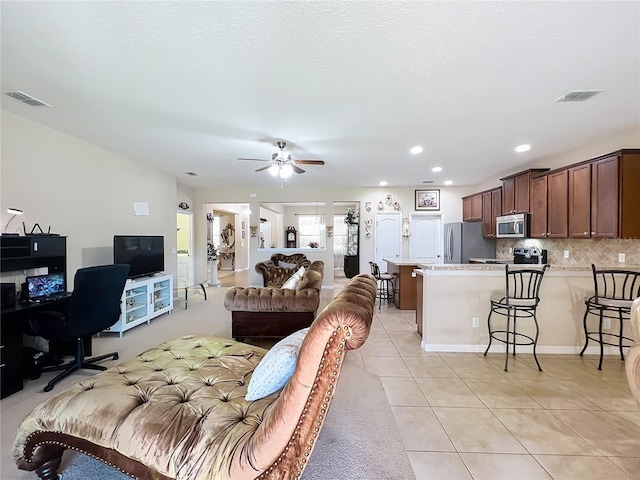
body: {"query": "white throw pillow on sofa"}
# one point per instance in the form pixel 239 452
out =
pixel 292 282
pixel 276 367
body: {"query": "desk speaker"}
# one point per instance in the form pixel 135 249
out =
pixel 8 294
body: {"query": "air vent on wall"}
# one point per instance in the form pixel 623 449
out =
pixel 578 95
pixel 191 174
pixel 427 181
pixel 28 99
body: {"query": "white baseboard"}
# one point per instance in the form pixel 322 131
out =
pixel 556 349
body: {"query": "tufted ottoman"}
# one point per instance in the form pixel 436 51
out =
pixel 178 411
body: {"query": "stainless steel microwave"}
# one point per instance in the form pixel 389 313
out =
pixel 513 226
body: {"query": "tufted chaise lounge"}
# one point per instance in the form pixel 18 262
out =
pixel 280 267
pixel 178 411
pixel 274 312
pixel 632 362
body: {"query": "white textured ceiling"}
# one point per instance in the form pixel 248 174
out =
pixel 193 85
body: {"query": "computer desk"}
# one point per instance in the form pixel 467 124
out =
pixel 17 254
pixel 14 321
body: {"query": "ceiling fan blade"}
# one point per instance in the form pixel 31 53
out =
pixel 254 159
pixel 310 162
pixel 297 169
pixel 263 168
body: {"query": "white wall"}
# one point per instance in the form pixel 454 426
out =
pixel 83 191
pixel 601 146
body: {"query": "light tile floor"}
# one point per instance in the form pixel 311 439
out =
pixel 462 417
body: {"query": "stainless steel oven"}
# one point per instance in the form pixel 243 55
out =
pixel 513 226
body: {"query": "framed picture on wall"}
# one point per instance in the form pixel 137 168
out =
pixel 427 199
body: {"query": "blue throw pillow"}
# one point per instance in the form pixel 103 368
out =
pixel 276 367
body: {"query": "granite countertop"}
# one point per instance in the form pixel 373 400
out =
pixel 498 267
pixel 403 261
pixel 491 260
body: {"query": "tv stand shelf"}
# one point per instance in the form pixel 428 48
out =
pixel 144 299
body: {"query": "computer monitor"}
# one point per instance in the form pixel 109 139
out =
pixel 42 287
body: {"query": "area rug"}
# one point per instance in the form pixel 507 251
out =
pixel 359 439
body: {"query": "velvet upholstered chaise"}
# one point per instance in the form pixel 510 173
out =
pixel 178 411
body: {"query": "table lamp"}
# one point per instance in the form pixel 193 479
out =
pixel 13 212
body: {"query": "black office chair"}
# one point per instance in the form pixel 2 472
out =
pixel 521 299
pixel 614 292
pixel 93 306
pixel 385 284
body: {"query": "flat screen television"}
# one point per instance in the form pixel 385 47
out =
pixel 144 253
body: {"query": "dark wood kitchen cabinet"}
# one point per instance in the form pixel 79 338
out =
pixel 515 191
pixel 491 208
pixel 538 201
pixel 557 204
pixel 549 208
pixel 615 195
pixel 580 201
pixel 472 208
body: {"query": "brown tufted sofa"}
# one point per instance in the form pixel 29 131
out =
pixel 274 312
pixel 178 411
pixel 280 267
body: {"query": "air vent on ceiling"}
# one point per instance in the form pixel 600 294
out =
pixel 191 174
pixel 578 95
pixel 427 181
pixel 28 99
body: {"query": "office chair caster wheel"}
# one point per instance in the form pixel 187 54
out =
pixel 115 356
pixel 48 388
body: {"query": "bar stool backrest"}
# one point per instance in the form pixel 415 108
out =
pixel 375 270
pixel 524 284
pixel 612 284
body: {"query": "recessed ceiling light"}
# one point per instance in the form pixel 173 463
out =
pixel 191 174
pixel 436 169
pixel 383 183
pixel 525 147
pixel 427 181
pixel 416 150
pixel 448 182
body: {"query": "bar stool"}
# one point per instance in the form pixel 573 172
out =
pixel 614 292
pixel 521 299
pixel 385 284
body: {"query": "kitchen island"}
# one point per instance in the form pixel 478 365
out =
pixel 404 282
pixel 453 295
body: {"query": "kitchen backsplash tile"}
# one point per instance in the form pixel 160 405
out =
pixel 601 251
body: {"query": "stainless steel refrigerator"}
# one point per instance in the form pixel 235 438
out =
pixel 464 240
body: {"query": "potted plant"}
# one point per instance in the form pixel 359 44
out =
pixel 350 216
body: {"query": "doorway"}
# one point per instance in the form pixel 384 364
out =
pixel 388 235
pixel 426 237
pixel 184 249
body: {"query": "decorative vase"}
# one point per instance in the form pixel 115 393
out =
pixel 213 265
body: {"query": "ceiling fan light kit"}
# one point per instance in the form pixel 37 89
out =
pixel 282 165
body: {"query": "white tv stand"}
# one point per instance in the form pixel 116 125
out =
pixel 143 299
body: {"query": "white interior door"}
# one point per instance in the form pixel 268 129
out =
pixel 184 244
pixel 425 242
pixel 388 237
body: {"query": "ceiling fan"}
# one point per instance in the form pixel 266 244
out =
pixel 281 164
